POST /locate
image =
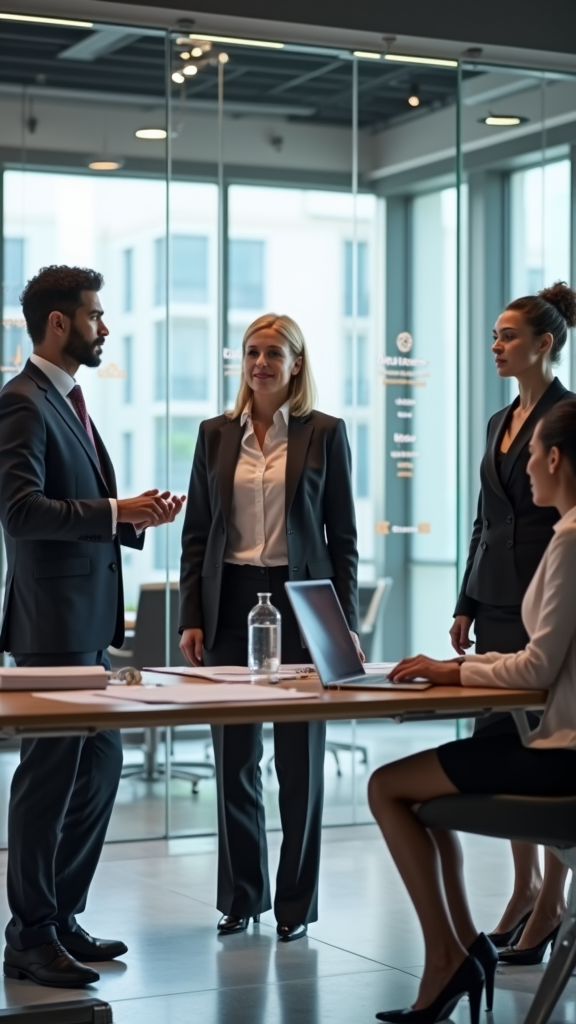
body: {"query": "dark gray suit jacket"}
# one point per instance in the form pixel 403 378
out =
pixel 320 518
pixel 64 575
pixel 510 532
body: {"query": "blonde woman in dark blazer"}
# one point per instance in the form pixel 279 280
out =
pixel 270 501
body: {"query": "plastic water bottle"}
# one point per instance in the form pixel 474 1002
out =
pixel 264 638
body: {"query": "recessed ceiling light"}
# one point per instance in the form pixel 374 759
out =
pixel 151 133
pixel 105 165
pixel 47 21
pixel 366 55
pixel 434 61
pixel 237 42
pixel 185 55
pixel 189 70
pixel 502 120
pixel 197 51
pixel 178 77
pixel 414 99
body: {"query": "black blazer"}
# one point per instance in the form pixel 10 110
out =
pixel 320 518
pixel 64 576
pixel 510 532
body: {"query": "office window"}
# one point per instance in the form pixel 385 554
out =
pixel 362 460
pixel 13 270
pixel 188 269
pixel 128 269
pixel 232 366
pixel 128 345
pixel 182 442
pixel 362 289
pixel 245 274
pixel 188 360
pixel 356 370
pixel 128 458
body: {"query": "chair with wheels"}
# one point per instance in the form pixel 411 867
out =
pixel 148 647
pixel 549 821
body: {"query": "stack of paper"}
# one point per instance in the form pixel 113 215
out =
pixel 229 673
pixel 63 677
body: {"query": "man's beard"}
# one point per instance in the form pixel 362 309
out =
pixel 82 351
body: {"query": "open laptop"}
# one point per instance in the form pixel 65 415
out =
pixel 325 630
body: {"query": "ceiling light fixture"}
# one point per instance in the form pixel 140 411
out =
pixel 223 58
pixel 47 21
pixel 197 51
pixel 502 120
pixel 366 55
pixel 433 61
pixel 186 56
pixel 178 77
pixel 190 70
pixel 414 99
pixel 151 133
pixel 237 42
pixel 105 164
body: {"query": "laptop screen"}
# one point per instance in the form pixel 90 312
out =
pixel 325 630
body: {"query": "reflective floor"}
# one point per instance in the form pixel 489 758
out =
pixel 364 954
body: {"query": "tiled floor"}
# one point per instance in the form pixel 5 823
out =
pixel 361 956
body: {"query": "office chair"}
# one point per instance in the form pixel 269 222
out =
pixel 148 647
pixel 549 821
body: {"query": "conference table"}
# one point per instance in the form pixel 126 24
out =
pixel 28 714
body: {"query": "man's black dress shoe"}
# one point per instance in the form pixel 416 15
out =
pixel 49 964
pixel 82 946
pixel 229 925
pixel 291 932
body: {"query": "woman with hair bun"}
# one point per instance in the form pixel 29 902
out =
pixel 509 538
pixel 271 500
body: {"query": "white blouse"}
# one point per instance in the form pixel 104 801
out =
pixel 549 660
pixel 257 527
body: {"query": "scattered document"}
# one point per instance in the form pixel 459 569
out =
pixel 64 677
pixel 230 673
pixel 203 694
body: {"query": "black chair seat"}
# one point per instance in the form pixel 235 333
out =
pixel 549 821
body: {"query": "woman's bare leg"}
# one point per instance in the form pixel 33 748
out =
pixel 452 860
pixel 550 903
pixel 527 885
pixel 393 791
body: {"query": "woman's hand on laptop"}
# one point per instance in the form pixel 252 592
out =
pixel 356 640
pixel 443 673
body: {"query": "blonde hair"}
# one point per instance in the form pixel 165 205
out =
pixel 302 386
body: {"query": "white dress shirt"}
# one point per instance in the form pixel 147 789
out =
pixel 64 383
pixel 548 662
pixel 257 527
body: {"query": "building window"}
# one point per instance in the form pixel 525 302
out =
pixel 356 370
pixel 128 458
pixel 245 274
pixel 362 289
pixel 183 434
pixel 188 269
pixel 127 344
pixel 128 268
pixel 13 270
pixel 188 360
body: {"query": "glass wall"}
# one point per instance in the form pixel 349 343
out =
pixel 212 181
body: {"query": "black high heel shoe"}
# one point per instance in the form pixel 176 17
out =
pixel 468 980
pixel 504 939
pixel 528 957
pixel 485 952
pixel 230 925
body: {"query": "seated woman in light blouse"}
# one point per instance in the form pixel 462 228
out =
pixel 541 763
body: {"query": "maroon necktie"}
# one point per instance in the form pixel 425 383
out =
pixel 77 399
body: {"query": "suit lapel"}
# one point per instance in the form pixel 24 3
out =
pixel 105 463
pixel 299 436
pixel 554 392
pixel 70 418
pixel 494 442
pixel 228 451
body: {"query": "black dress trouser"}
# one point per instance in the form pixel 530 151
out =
pixel 61 800
pixel 243 882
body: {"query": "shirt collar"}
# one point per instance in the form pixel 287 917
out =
pixel 61 380
pixel 282 414
pixel 569 517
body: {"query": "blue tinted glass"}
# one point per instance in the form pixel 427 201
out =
pixel 245 274
pixel 13 270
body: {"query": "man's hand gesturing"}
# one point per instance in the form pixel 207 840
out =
pixel 153 508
